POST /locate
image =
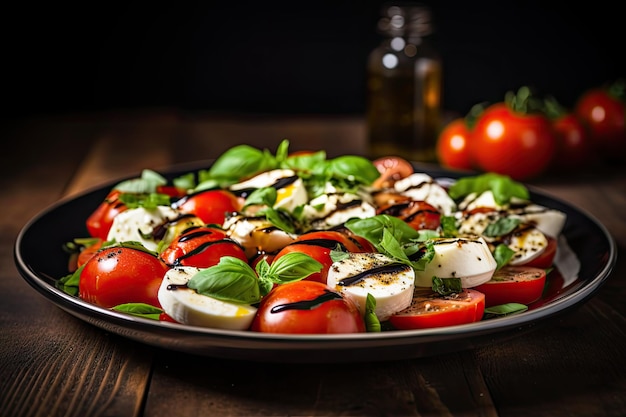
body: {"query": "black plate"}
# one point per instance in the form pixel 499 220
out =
pixel 587 248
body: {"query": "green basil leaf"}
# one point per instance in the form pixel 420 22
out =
pixel 145 184
pixel 372 324
pixel 282 152
pixel 69 283
pixel 447 285
pixel 504 310
pixel 353 168
pixel 265 196
pixel 502 254
pixel 293 266
pixel 305 164
pixel 279 218
pixel 230 280
pixel 140 309
pixel 502 187
pixel 448 226
pixel 502 226
pixel 242 161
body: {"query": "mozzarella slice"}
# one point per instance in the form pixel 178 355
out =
pixel 464 258
pixel 548 221
pixel 188 307
pixel 290 189
pixel 422 187
pixel 257 234
pixel 137 224
pixel 334 208
pixel 527 244
pixel 389 282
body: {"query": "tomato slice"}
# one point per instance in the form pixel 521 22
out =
pixel 211 206
pixel 430 309
pixel 392 169
pixel 420 215
pixel 100 220
pixel 514 284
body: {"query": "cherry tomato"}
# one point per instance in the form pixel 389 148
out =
pixel 318 245
pixel 512 143
pixel 453 145
pixel 88 252
pixel 363 245
pixel 202 247
pixel 573 143
pixel 211 206
pixel 99 222
pixel 603 110
pixel 171 190
pixel 307 307
pixel 392 169
pixel 417 214
pixel 166 317
pixel 514 284
pixel 118 275
pixel 430 309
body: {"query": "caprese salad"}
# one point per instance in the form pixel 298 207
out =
pixel 300 243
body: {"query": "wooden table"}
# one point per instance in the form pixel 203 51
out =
pixel 52 364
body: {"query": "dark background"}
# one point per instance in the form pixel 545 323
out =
pixel 305 57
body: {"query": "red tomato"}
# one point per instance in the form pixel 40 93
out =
pixel 88 252
pixel 307 307
pixel 514 284
pixel 392 169
pixel 573 144
pixel 603 110
pixel 100 221
pixel 546 259
pixel 430 309
pixel 453 145
pixel 363 244
pixel 118 275
pixel 512 143
pixel 318 245
pixel 417 214
pixel 201 247
pixel 167 318
pixel 210 206
pixel 171 190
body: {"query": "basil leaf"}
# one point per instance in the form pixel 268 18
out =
pixel 353 168
pixel 447 286
pixel 69 283
pixel 265 196
pixel 149 201
pixel 502 254
pixel 502 187
pixel 230 280
pixel 279 218
pixel 140 309
pixel 504 310
pixel 242 161
pixel 306 163
pixel 372 324
pixel 501 227
pixel 448 226
pixel 293 266
pixel 147 183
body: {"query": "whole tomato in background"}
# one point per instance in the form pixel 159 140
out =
pixel 514 137
pixel 603 110
pixel 454 140
pixel 574 150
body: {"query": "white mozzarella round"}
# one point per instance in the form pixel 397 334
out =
pixel 257 234
pixel 527 244
pixel 288 196
pixel 548 221
pixel 422 187
pixel 137 223
pixel 186 306
pixel 360 274
pixel 467 259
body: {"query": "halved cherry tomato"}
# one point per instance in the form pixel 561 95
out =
pixel 430 309
pixel 100 220
pixel 211 206
pixel 392 169
pixel 514 284
pixel 119 274
pixel 307 307
pixel 417 214
pixel 318 245
pixel 202 247
pixel 453 145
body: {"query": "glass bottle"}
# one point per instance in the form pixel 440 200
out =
pixel 404 78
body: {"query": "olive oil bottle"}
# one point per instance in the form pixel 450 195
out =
pixel 404 83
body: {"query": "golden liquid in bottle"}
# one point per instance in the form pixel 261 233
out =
pixel 403 115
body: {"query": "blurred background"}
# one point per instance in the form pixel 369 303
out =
pixel 300 57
